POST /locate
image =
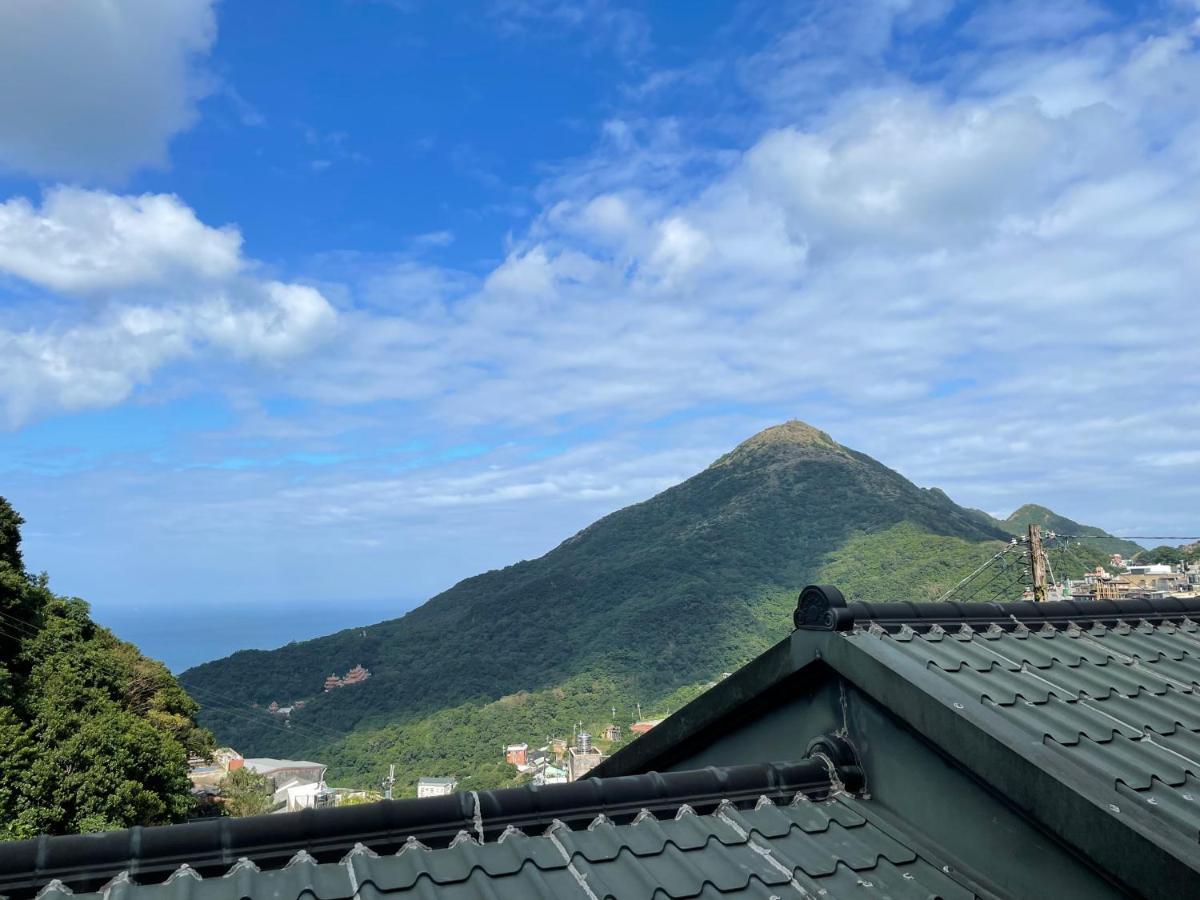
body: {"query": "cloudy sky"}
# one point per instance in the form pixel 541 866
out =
pixel 330 306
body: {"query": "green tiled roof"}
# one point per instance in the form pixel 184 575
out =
pixel 831 849
pixel 1117 703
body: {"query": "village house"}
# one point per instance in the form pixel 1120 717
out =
pixel 436 787
pixel 516 754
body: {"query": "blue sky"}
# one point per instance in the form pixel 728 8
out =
pixel 329 305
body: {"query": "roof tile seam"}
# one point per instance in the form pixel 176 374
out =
pixel 580 878
pixel 767 854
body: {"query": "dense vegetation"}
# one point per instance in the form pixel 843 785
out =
pixel 647 605
pixel 1173 556
pixel 1094 538
pixel 93 735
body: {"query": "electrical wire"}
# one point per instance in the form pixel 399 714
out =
pixel 976 573
pixel 1130 537
pixel 223 703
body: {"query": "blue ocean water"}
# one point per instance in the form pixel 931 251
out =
pixel 186 636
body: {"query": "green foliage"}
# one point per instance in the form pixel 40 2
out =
pixel 246 793
pixel 904 562
pixel 361 799
pixel 1167 555
pixel 93 735
pixel 1098 539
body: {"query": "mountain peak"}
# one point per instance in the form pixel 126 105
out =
pixel 1030 510
pixel 789 435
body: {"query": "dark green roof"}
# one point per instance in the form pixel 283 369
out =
pixel 1117 705
pixel 1083 717
pixel 830 848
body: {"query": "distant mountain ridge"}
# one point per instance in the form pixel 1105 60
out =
pixel 1033 514
pixel 644 606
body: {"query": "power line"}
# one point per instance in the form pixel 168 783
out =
pixel 226 699
pixel 1130 537
pixel 215 703
pixel 250 717
pixel 977 572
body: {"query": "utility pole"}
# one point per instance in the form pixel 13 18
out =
pixel 1037 563
pixel 389 782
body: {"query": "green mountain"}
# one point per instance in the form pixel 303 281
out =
pixel 93 735
pixel 646 606
pixel 1095 538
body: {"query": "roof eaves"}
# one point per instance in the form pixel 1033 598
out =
pixel 737 696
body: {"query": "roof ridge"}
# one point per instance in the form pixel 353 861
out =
pixel 825 608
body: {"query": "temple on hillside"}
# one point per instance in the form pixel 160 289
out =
pixel 357 675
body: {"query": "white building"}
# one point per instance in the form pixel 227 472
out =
pixel 436 787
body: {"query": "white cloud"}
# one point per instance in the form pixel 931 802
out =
pixel 602 22
pixel 282 321
pixel 1028 21
pixel 160 286
pixel 97 89
pixel 990 289
pixel 87 241
pixel 991 262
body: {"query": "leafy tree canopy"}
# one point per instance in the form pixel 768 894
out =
pixel 93 735
pixel 246 793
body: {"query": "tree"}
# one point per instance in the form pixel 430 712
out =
pixel 246 793
pixel 93 735
pixel 1161 555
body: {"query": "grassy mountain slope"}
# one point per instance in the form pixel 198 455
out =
pixel 646 606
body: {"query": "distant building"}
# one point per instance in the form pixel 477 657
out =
pixel 228 759
pixel 580 762
pixel 298 796
pixel 612 733
pixel 643 726
pixel 357 675
pixel 282 771
pixel 1150 569
pixel 436 787
pixel 516 754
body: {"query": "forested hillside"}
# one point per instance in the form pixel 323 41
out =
pixel 93 735
pixel 645 606
pixel 1097 539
